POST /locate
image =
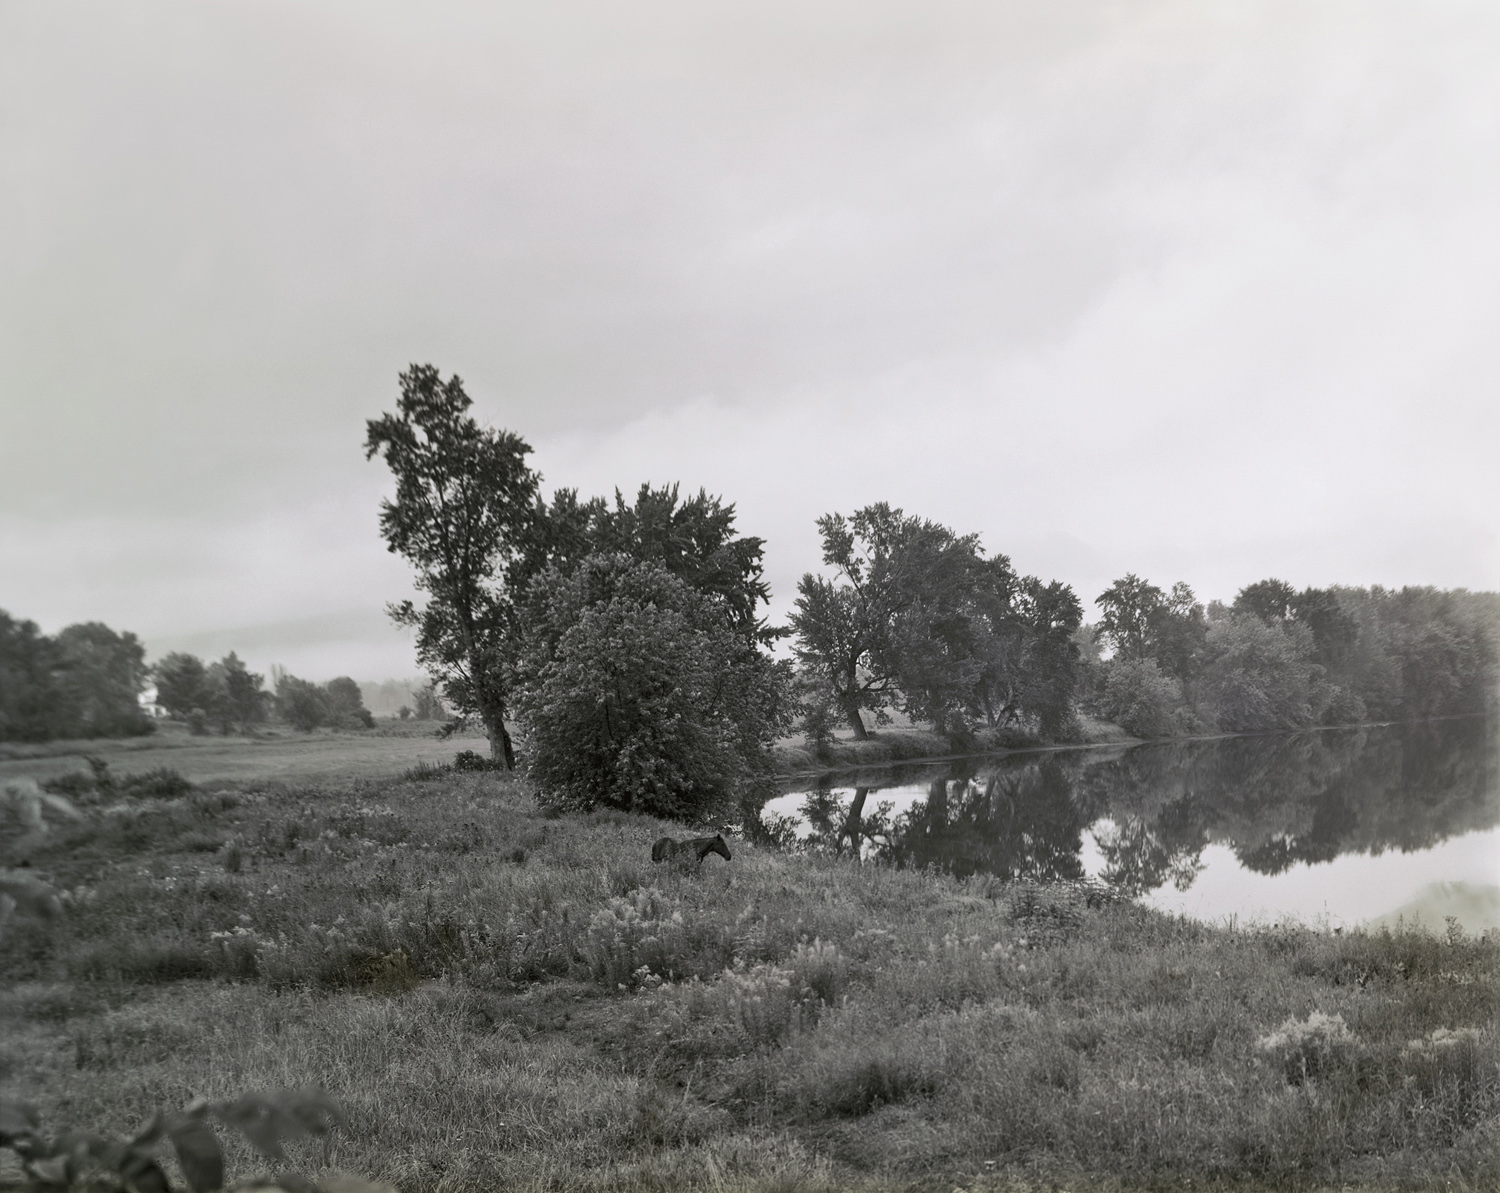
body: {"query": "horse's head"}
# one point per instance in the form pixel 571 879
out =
pixel 721 847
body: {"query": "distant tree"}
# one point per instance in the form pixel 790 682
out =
pixel 1269 600
pixel 1259 675
pixel 234 695
pixel 301 704
pixel 346 705
pixel 180 680
pixel 638 692
pixel 103 675
pixel 901 625
pixel 429 706
pixel 1128 606
pixel 462 514
pixel 32 702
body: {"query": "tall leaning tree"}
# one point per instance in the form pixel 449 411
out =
pixel 464 499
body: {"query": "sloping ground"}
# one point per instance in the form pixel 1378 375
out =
pixel 502 999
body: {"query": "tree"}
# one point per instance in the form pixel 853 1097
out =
pixel 1051 614
pixel 1142 701
pixel 103 675
pixel 1178 630
pixel 1128 606
pixel 463 509
pixel 180 680
pixel 1334 630
pixel 301 704
pixel 901 626
pixel 1260 676
pixel 1269 600
pixel 1142 622
pixel 236 698
pixel 429 707
pixel 694 540
pixel 31 698
pixel 346 705
pixel 638 692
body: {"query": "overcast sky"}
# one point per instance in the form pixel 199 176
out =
pixel 1203 291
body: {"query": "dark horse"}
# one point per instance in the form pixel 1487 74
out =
pixel 702 846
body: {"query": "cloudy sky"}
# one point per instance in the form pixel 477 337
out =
pixel 1203 291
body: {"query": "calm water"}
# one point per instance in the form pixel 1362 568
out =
pixel 1344 826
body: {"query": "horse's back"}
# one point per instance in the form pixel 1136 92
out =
pixel 663 849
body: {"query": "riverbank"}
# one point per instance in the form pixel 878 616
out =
pixel 504 999
pixel 884 746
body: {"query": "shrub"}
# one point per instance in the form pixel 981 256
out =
pixel 636 693
pixel 1143 701
pixel 161 783
pixel 632 940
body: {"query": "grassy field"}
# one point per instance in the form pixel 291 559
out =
pixel 284 756
pixel 506 1000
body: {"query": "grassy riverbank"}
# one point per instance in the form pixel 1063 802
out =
pixel 501 998
pixel 912 743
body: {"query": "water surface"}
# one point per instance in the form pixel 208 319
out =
pixel 1340 826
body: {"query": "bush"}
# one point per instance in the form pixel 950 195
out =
pixel 637 694
pixel 1143 701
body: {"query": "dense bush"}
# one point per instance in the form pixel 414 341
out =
pixel 1141 700
pixel 636 693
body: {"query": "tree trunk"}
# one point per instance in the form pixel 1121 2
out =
pixel 501 749
pixel 853 823
pixel 505 750
pixel 856 722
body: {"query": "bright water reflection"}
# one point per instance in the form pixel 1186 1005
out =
pixel 1345 825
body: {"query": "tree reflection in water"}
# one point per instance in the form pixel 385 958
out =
pixel 1274 800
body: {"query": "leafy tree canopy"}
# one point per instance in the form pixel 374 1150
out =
pixel 462 514
pixel 693 539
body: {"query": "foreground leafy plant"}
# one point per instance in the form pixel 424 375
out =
pixel 74 1157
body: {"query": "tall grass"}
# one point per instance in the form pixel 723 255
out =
pixel 502 998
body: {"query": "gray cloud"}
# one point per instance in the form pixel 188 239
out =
pixel 1199 292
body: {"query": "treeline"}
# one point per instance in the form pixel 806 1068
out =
pixel 88 681
pixel 627 642
pixel 1282 659
pixel 227 697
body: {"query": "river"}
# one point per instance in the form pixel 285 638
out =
pixel 1332 827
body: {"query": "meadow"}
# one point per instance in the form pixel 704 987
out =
pixel 502 999
pixel 275 754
